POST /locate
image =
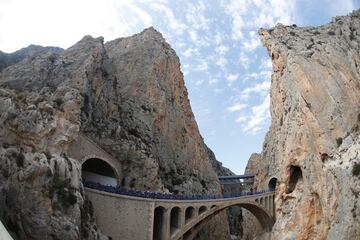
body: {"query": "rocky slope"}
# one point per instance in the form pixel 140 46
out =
pixel 313 145
pixel 128 96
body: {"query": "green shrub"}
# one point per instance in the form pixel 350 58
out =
pixel 59 102
pixel 48 155
pixel 64 191
pixel 20 158
pixel 356 169
pixel 5 173
pixel 52 58
pixel 339 141
pixel 20 97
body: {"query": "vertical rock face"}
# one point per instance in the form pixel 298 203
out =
pixel 312 147
pixel 128 96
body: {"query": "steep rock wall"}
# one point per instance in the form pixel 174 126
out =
pixel 313 142
pixel 128 96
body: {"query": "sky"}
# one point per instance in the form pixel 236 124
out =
pixel 227 71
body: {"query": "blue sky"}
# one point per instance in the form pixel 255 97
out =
pixel 226 69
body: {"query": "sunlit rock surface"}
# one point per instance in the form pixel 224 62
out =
pixel 313 142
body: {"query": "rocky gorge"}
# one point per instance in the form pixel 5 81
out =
pixel 312 148
pixel 128 96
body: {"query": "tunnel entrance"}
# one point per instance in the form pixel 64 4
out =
pixel 97 170
pixel 272 184
pixel 295 177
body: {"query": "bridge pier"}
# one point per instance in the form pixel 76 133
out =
pixel 273 205
pixel 165 227
pixel 182 218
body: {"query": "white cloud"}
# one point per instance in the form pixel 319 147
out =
pixel 185 68
pixel 343 6
pixel 203 66
pixel 237 107
pixel 232 77
pixel 144 16
pixel 221 62
pixel 193 35
pixel 236 9
pixel 195 16
pixel 213 81
pixel 244 60
pixel 42 22
pixel 260 88
pixel 265 74
pixel 241 119
pixel 259 117
pixel 221 49
pixel 252 42
pixel 218 38
pixel 189 52
pixel 199 82
pixel 266 63
pixel 176 26
pixel 258 13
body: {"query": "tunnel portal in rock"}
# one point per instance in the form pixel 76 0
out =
pixel 97 170
pixel 272 184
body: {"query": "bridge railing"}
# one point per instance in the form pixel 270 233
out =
pixel 158 195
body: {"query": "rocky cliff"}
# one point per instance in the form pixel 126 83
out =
pixel 312 147
pixel 126 95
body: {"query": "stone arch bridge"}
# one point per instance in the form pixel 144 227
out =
pixel 124 216
pixel 129 217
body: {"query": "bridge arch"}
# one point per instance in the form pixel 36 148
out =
pixel 189 214
pixel 266 221
pixel 202 209
pixel 158 222
pixel 174 219
pixel 96 169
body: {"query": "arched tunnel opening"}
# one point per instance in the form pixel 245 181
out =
pixel 97 170
pixel 295 177
pixel 272 184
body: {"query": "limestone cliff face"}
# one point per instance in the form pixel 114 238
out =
pixel 128 96
pixel 313 142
